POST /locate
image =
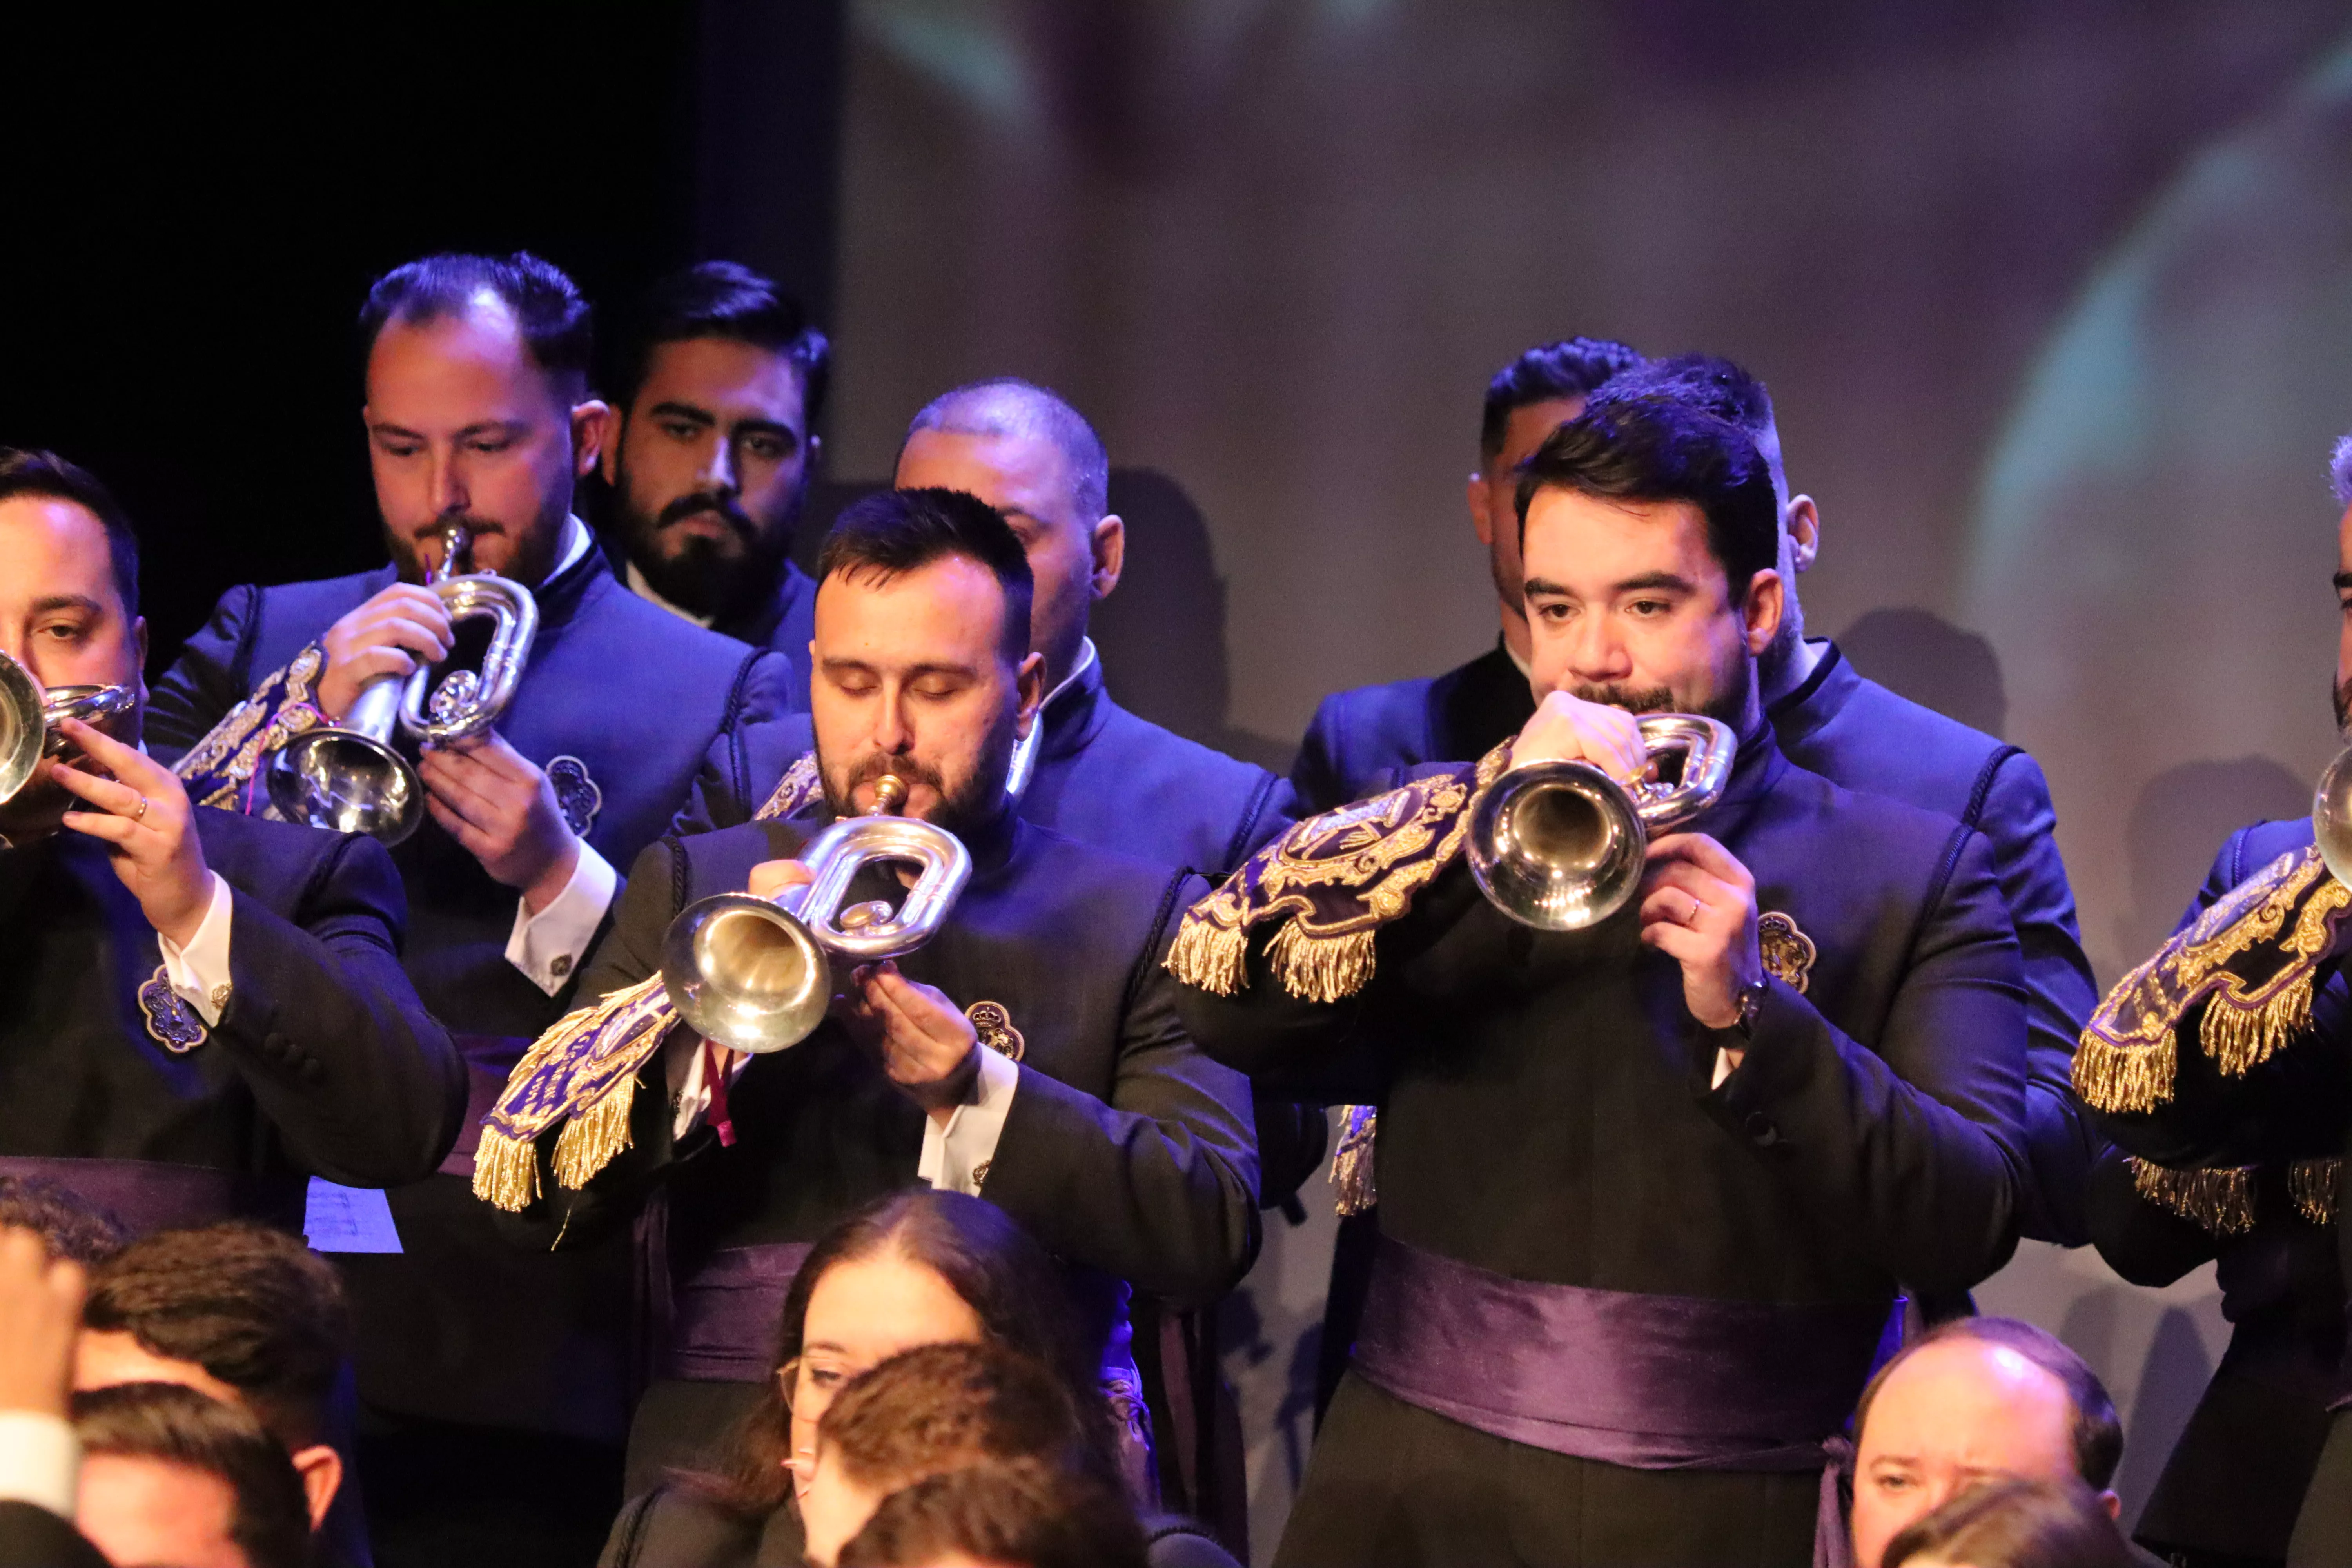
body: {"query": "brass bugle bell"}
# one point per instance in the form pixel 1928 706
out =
pixel 756 974
pixel 349 777
pixel 30 714
pixel 1560 845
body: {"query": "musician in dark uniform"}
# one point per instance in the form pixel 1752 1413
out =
pixel 1360 740
pixel 491 1382
pixel 710 462
pixel 1028 1053
pixel 2220 1067
pixel 1830 720
pixel 196 1011
pixel 1647 1188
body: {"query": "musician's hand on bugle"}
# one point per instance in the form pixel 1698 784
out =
pixel 772 877
pixel 1698 907
pixel 1567 728
pixel 927 1047
pixel 394 632
pixel 144 815
pixel 498 805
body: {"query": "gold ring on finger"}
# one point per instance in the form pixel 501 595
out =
pixel 141 815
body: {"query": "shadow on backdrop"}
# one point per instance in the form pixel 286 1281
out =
pixel 2177 826
pixel 1919 655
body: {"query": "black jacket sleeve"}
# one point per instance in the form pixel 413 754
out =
pixel 32 1537
pixel 2060 993
pixel 1912 1144
pixel 209 678
pixel 2143 1242
pixel 363 1083
pixel 1157 1185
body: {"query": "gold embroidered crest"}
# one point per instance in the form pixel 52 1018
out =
pixel 800 785
pixel 1787 951
pixel 992 1022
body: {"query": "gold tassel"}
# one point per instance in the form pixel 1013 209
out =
pixel 591 1138
pixel 1351 1163
pixel 2116 1078
pixel 1321 968
pixel 2219 1199
pixel 505 1172
pixel 2313 1183
pixel 1210 957
pixel 2240 1041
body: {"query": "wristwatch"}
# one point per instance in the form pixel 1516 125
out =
pixel 1750 998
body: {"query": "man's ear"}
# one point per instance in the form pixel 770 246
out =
pixel 1475 494
pixel 1803 521
pixel 592 423
pixel 1030 681
pixel 2113 1504
pixel 322 1470
pixel 1768 597
pixel 138 669
pixel 1109 548
pixel 815 456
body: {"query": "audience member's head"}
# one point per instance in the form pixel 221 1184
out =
pixel 918 1267
pixel 999 1516
pixel 725 383
pixel 2015 1523
pixel 932 1409
pixel 1529 399
pixel 1034 458
pixel 1975 1400
pixel 238 1311
pixel 69 1226
pixel 170 1476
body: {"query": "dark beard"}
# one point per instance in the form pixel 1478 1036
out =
pixel 2342 692
pixel 534 552
pixel 712 577
pixel 969 806
pixel 1728 706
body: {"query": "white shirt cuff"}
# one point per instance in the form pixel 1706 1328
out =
pixel 1724 1068
pixel 198 973
pixel 548 946
pixel 955 1157
pixel 40 1461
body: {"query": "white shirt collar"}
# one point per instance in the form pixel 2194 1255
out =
pixel 575 544
pixel 1085 662
pixel 1523 666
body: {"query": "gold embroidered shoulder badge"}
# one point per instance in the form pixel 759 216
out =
pixel 992 1022
pixel 2249 962
pixel 1788 951
pixel 1332 882
pixel 800 785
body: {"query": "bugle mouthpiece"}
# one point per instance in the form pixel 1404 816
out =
pixel 889 794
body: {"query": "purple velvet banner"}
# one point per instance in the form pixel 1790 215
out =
pixel 148 1195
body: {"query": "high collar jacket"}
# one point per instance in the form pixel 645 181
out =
pixel 1364 741
pixel 652 707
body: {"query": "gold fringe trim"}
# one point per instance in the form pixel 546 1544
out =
pixel 2118 1080
pixel 2313 1186
pixel 1321 968
pixel 1351 1163
pixel 505 1172
pixel 1210 957
pixel 2218 1199
pixel 2240 1040
pixel 591 1138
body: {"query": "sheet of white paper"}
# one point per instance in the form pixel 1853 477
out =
pixel 348 1219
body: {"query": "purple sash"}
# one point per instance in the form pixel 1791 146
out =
pixel 1654 1382
pixel 723 1317
pixel 148 1195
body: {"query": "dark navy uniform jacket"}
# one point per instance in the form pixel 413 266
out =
pixel 2236 1479
pixel 1104 777
pixel 1547 1112
pixel 782 622
pixel 1361 740
pixel 1858 734
pixel 323 1062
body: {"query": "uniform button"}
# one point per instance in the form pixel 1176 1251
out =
pixel 313 1070
pixel 561 965
pixel 279 1046
pixel 1760 1127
